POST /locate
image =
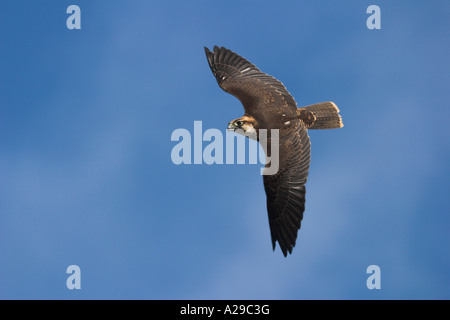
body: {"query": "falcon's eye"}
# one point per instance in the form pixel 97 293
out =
pixel 239 123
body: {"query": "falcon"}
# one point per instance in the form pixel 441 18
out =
pixel 268 105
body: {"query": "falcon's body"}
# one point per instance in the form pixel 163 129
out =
pixel 268 105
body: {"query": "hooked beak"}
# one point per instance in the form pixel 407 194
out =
pixel 231 126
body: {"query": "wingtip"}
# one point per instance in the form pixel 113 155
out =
pixel 335 106
pixel 210 58
pixel 283 250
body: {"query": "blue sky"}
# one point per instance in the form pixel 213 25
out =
pixel 86 176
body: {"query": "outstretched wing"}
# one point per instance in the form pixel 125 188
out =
pixel 285 190
pixel 259 93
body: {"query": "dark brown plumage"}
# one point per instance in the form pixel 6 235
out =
pixel 268 105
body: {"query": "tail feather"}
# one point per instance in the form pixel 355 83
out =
pixel 324 115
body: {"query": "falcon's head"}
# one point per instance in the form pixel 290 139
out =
pixel 244 125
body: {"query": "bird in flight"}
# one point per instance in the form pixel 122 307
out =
pixel 268 105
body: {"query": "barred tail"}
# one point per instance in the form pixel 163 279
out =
pixel 324 115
